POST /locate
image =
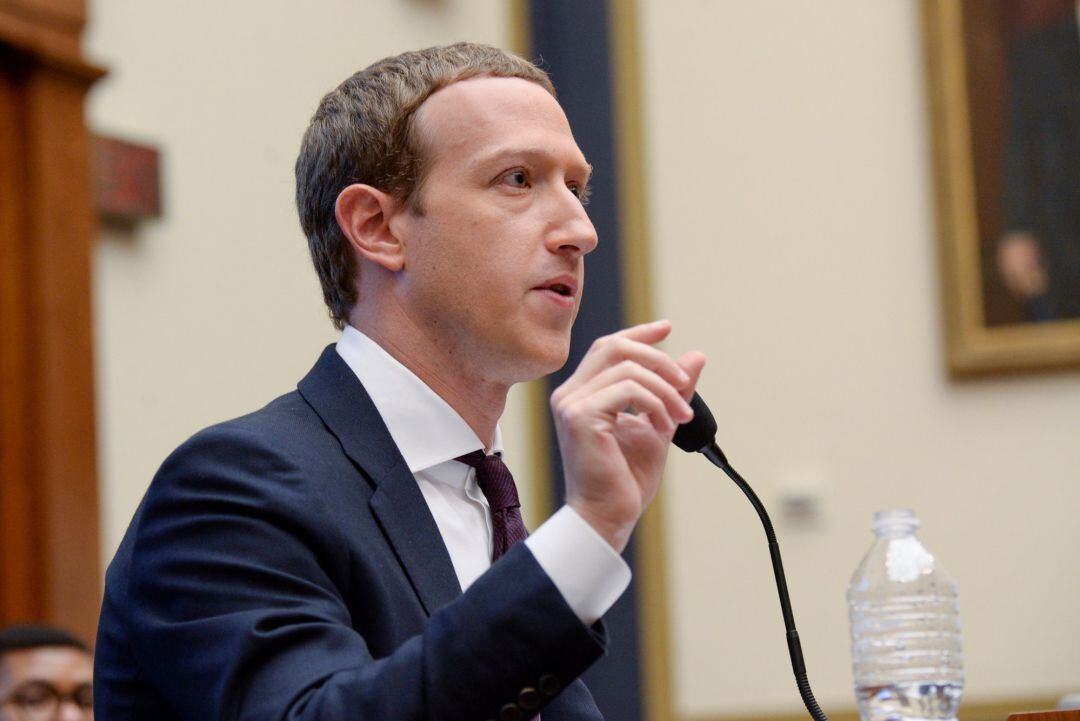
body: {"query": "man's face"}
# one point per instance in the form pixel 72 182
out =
pixel 32 679
pixel 494 258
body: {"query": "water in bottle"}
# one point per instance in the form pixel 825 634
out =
pixel 905 628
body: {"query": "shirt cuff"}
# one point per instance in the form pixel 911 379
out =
pixel 588 572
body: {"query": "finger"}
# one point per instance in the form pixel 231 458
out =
pixel 612 399
pixel 647 333
pixel 676 405
pixel 651 332
pixel 610 350
pixel 692 364
pixel 638 432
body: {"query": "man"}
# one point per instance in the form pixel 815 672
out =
pixel 45 675
pixel 331 555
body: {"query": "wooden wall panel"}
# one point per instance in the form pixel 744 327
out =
pixel 61 230
pixel 20 583
pixel 49 541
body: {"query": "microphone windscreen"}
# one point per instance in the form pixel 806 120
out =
pixel 699 431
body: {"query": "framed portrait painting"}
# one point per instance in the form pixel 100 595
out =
pixel 1004 89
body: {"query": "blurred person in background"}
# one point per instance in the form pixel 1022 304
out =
pixel 1039 253
pixel 45 675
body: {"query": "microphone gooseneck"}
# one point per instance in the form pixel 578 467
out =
pixel 699 436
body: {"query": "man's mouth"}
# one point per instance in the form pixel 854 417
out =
pixel 564 285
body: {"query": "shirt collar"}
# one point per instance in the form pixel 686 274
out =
pixel 425 428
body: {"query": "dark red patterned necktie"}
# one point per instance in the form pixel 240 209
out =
pixel 495 481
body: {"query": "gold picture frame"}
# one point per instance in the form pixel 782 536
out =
pixel 959 37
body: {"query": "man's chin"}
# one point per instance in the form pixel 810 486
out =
pixel 543 360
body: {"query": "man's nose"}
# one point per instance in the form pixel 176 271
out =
pixel 571 231
pixel 71 711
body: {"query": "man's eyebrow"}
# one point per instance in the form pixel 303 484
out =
pixel 533 154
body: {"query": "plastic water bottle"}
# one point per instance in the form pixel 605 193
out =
pixel 905 628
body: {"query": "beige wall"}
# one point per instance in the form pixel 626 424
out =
pixel 213 310
pixel 793 239
pixel 794 242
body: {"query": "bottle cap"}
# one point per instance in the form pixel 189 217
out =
pixel 895 520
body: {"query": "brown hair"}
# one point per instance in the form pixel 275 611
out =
pixel 362 132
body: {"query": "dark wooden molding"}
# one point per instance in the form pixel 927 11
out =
pixel 49 540
pixel 48 32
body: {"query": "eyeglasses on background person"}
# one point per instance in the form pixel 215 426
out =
pixel 41 701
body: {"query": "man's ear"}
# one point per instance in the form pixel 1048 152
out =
pixel 363 214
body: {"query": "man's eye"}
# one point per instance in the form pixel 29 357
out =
pixel 581 191
pixel 35 696
pixel 84 696
pixel 518 178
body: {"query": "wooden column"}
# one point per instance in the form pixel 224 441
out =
pixel 49 543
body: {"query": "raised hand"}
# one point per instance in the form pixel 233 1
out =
pixel 615 417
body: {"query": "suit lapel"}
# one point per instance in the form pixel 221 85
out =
pixel 334 391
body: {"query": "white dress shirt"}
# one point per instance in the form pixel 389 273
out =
pixel 430 435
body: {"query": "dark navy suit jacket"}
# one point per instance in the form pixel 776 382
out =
pixel 285 565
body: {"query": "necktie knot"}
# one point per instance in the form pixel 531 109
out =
pixel 497 485
pixel 494 479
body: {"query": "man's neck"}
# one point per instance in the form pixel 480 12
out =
pixel 479 401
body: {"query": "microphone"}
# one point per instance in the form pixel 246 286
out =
pixel 698 435
pixel 699 432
